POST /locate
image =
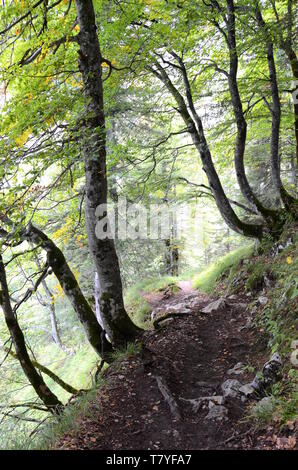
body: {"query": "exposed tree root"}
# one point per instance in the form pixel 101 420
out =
pixel 164 390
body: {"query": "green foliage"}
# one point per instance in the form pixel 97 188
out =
pixel 263 414
pixel 206 280
pixel 69 421
pixel 256 271
pixel 277 319
pixel 132 349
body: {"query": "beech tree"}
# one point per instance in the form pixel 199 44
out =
pixel 117 323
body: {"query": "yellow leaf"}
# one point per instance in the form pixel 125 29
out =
pixel 22 139
pixel 289 260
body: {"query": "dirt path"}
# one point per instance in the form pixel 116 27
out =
pixel 191 356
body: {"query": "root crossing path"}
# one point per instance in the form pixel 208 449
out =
pixel 156 399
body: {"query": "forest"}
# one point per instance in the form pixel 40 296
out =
pixel 148 225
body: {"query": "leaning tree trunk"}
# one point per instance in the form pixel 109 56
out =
pixel 47 397
pixel 268 214
pixel 289 201
pixel 71 288
pixel 195 129
pixel 113 313
pixel 294 66
pixel 288 46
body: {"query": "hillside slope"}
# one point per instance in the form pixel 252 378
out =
pixel 180 388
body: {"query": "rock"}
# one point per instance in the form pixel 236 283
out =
pixel 237 369
pixel 232 297
pixel 181 308
pixel 247 390
pixel 263 300
pixel 153 314
pixel 278 247
pixel 247 325
pixel 217 412
pixel 267 281
pixel 230 388
pixel 214 306
pixel 197 403
pixel 289 242
pixel 216 400
pixel 271 373
pixel 208 387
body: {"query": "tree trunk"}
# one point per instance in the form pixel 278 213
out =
pixel 244 185
pixel 172 258
pixel 195 129
pixel 287 46
pixel 94 151
pixel 51 309
pixel 288 200
pixel 47 397
pixel 71 288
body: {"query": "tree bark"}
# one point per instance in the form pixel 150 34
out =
pixel 50 400
pixel 51 308
pixel 195 129
pixel 289 201
pixel 71 288
pixel 239 153
pixel 289 49
pixel 113 313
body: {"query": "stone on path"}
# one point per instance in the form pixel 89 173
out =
pixel 216 305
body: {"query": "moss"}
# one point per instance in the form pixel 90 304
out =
pixel 255 280
pixel 207 279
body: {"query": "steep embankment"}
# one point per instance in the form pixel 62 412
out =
pixel 181 390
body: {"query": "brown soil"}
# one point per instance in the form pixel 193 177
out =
pixel 192 355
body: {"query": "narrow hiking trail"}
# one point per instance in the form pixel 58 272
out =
pixel 145 404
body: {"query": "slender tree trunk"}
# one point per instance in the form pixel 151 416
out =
pixel 195 129
pixel 288 200
pixel 294 66
pixel 292 57
pixel 71 288
pixel 287 46
pixel 48 398
pixel 51 308
pixel 244 185
pixel 94 150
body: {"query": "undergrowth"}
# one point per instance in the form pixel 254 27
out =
pixel 272 274
pixel 207 279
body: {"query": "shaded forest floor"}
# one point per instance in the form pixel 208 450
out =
pixel 191 356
